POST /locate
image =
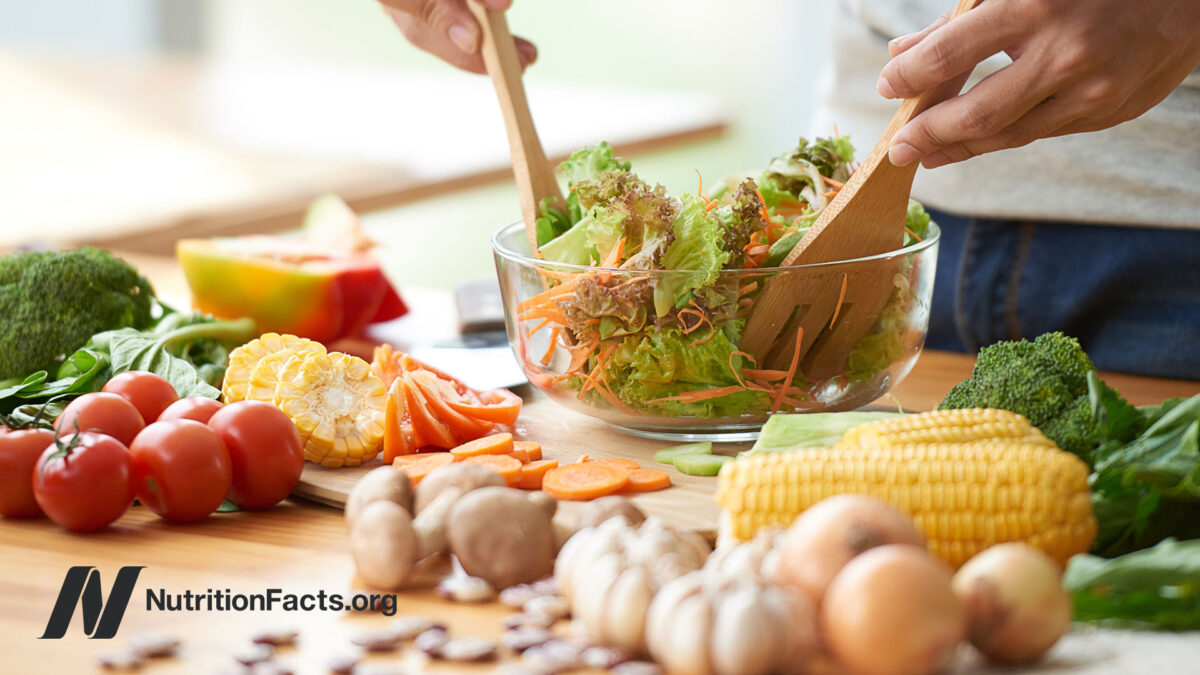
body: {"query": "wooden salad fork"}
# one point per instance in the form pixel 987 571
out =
pixel 831 311
pixel 534 174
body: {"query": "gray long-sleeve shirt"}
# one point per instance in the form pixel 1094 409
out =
pixel 1143 172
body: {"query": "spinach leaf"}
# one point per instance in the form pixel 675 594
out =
pixel 1154 588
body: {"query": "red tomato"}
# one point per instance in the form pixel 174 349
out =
pixel 265 449
pixel 181 469
pixel 19 451
pixel 197 408
pixel 102 413
pixel 85 485
pixel 148 392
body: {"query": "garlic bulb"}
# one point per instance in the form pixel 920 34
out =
pixel 609 574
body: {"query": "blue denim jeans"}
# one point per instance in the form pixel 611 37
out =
pixel 1130 294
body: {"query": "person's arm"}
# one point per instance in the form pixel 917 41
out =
pixel 446 29
pixel 1077 66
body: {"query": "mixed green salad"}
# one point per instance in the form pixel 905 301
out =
pixel 665 344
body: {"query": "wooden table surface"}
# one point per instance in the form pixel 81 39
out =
pixel 301 548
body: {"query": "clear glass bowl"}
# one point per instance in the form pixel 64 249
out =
pixel 595 340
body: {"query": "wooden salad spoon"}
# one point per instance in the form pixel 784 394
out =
pixel 534 174
pixel 833 310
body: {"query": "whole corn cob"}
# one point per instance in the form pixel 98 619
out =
pixel 966 425
pixel 244 359
pixel 962 497
pixel 337 405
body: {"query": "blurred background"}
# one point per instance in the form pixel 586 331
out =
pixel 132 123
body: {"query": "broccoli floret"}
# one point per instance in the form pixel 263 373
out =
pixel 53 302
pixel 1045 380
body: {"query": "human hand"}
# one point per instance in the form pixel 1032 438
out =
pixel 446 29
pixel 1077 66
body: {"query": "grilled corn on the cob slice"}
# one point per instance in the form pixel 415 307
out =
pixel 968 425
pixel 243 360
pixel 962 497
pixel 337 405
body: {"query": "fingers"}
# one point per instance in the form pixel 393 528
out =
pixel 902 44
pixel 450 18
pixel 434 26
pixel 949 50
pixel 991 105
pixel 1045 119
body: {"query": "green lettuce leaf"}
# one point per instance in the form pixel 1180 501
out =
pixel 659 364
pixel 587 241
pixel 584 165
pixel 1156 588
pixel 916 221
pixel 797 175
pixel 811 430
pixel 697 248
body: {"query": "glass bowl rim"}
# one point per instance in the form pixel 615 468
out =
pixel 933 236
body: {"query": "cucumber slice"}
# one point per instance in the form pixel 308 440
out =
pixel 668 455
pixel 696 464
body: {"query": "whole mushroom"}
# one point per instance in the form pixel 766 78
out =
pixel 386 482
pixel 503 535
pixel 386 541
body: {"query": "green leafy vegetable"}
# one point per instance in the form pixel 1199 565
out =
pixel 799 174
pixel 52 302
pixel 811 430
pixel 696 252
pixel 584 165
pixel 1154 588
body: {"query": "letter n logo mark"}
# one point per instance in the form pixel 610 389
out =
pixel 82 586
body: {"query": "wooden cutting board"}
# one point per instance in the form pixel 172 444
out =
pixel 566 435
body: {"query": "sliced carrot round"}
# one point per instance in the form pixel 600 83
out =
pixel 585 480
pixel 509 468
pixel 534 472
pixel 496 444
pixel 421 465
pixel 526 451
pixel 627 464
pixel 647 480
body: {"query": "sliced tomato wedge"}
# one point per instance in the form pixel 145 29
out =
pixel 498 405
pixel 441 395
pixel 397 431
pixel 438 409
pixel 427 428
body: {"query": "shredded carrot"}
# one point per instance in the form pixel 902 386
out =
pixel 555 314
pixel 700 190
pixel 611 260
pixel 913 234
pixel 841 297
pixel 711 205
pixel 791 371
pixel 630 281
pixel 541 324
pixel 749 288
pixel 579 355
pixel 834 183
pixel 554 336
pixel 762 205
pixel 700 394
pixel 758 250
pixel 544 297
pixel 764 374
